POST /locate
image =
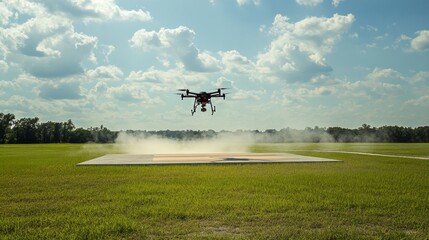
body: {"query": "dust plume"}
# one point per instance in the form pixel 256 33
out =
pixel 150 144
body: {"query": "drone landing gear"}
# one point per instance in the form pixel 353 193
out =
pixel 203 107
pixel 212 107
pixel 195 107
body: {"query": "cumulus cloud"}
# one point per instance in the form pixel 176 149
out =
pixel 421 77
pixel 237 93
pixel 335 3
pixel 243 2
pixel 236 63
pixel 298 51
pixel 167 80
pixel 29 8
pixel 132 93
pixel 311 3
pixel 106 51
pixel 105 73
pixel 380 83
pixel 46 46
pixel 5 14
pixel 421 41
pixel 422 101
pixel 177 42
pixel 384 73
pixel 94 10
pixel 40 37
pixel 59 55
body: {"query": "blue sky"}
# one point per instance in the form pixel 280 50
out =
pixel 294 63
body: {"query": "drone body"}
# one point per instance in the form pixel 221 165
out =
pixel 202 98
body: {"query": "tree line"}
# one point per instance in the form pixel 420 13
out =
pixel 30 130
pixel 365 133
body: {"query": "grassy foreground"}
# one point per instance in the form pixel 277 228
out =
pixel 43 195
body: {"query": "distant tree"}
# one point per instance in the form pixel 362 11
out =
pixel 44 132
pixel 80 135
pixel 6 121
pixel 66 131
pixel 421 134
pixel 29 130
pixel 26 130
pixel 367 133
pixel 102 135
pixel 336 132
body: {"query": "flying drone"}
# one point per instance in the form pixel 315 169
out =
pixel 202 98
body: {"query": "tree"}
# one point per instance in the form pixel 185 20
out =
pixel 80 135
pixel 66 130
pixel 26 130
pixel 6 121
pixel 422 134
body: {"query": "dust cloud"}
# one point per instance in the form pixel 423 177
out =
pixel 143 144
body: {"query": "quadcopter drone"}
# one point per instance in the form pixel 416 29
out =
pixel 202 98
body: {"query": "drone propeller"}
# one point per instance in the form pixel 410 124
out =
pixel 182 89
pixel 180 94
pixel 223 88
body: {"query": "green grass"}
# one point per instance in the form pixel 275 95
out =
pixel 43 195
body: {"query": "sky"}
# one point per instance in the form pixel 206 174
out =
pixel 287 63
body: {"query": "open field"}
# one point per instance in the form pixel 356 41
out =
pixel 43 195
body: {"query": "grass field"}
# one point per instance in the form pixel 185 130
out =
pixel 43 195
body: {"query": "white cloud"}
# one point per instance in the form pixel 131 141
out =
pixel 422 101
pixel 106 51
pixel 177 42
pixel 105 73
pixel 25 7
pixel 8 86
pixel 420 77
pixel 132 93
pixel 380 83
pixel 241 94
pixel 298 51
pixel 94 10
pixel 403 37
pixel 5 14
pixel 236 63
pixel 311 3
pixel 76 10
pixel 384 73
pixel 335 3
pixel 243 2
pixel 46 46
pixel 370 28
pixel 167 81
pixel 146 40
pixel 421 41
pixel 237 93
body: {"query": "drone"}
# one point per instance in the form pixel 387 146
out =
pixel 202 98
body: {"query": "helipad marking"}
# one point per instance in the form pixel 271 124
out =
pixel 201 158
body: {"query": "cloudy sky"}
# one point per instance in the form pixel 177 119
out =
pixel 288 63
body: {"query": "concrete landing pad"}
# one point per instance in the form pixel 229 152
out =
pixel 200 158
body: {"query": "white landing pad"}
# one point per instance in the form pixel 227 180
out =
pixel 201 158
